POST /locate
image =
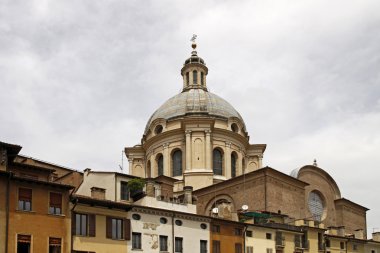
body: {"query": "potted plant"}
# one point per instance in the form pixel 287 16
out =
pixel 136 187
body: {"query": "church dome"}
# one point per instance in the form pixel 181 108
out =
pixel 197 102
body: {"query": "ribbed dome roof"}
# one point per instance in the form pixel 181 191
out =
pixel 194 102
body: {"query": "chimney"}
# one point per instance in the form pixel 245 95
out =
pixel 341 231
pixel 98 193
pixel 359 234
pixel 150 191
pixel 188 194
pixel 376 236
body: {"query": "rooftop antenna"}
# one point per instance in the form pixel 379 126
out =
pixel 122 161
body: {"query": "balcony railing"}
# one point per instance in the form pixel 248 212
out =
pixel 280 241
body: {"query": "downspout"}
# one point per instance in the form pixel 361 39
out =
pixel 173 240
pixel 7 212
pixel 265 190
pixel 71 231
pixel 244 236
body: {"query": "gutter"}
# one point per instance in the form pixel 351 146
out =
pixel 7 212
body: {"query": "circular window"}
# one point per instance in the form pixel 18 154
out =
pixel 203 226
pixel 136 216
pixel 316 205
pixel 178 222
pixel 163 220
pixel 158 129
pixel 234 128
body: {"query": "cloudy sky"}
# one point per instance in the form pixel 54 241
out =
pixel 79 79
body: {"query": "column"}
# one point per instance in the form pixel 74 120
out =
pixel 227 159
pixel 188 150
pixel 166 160
pixel 208 155
pixel 130 161
pixel 260 161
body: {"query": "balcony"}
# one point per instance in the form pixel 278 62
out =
pixel 280 241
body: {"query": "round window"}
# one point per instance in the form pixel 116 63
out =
pixel 234 128
pixel 136 216
pixel 158 129
pixel 178 222
pixel 203 226
pixel 163 220
pixel 316 205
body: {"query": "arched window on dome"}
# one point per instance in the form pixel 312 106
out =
pixel 160 165
pixel 195 77
pixel 202 79
pixel 233 164
pixel 187 78
pixel 177 163
pixel 217 158
pixel 148 169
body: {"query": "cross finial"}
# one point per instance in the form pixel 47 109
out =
pixel 193 45
pixel 315 162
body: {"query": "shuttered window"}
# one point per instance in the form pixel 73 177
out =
pixel 84 224
pixel 55 203
pixel 163 243
pixel 118 229
pixel 54 245
pixel 178 244
pixel 124 191
pixel 215 246
pixel 23 243
pixel 238 248
pixel 24 199
pixel 249 249
pixel 203 246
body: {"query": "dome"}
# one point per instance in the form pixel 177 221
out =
pixel 194 102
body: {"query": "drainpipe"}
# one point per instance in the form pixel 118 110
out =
pixel 173 240
pixel 7 212
pixel 71 231
pixel 265 189
pixel 244 236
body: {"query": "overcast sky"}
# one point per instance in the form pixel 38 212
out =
pixel 80 79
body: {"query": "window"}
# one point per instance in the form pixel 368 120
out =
pixel 25 199
pixel 124 190
pixel 158 129
pixel 202 79
pixel 23 243
pixel 118 229
pixel 269 236
pixel 136 216
pixel 178 222
pixel 248 233
pixel 203 226
pixel 195 77
pixel 55 203
pixel 238 248
pixel 233 165
pixel 163 220
pixel 217 162
pixel 160 165
pixel 316 205
pixel 83 224
pixel 355 247
pixel 54 245
pixel 187 78
pixel 136 240
pixel 234 128
pixel 249 249
pixel 203 246
pixel 269 250
pixel 177 163
pixel 216 228
pixel 215 246
pixel 178 244
pixel 297 241
pixel 163 243
pixel 327 243
pixel 238 231
pixel 342 245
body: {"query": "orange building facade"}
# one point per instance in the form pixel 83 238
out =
pixel 226 236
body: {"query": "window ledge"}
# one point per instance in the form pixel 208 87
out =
pixel 25 211
pixel 57 215
pixel 137 249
